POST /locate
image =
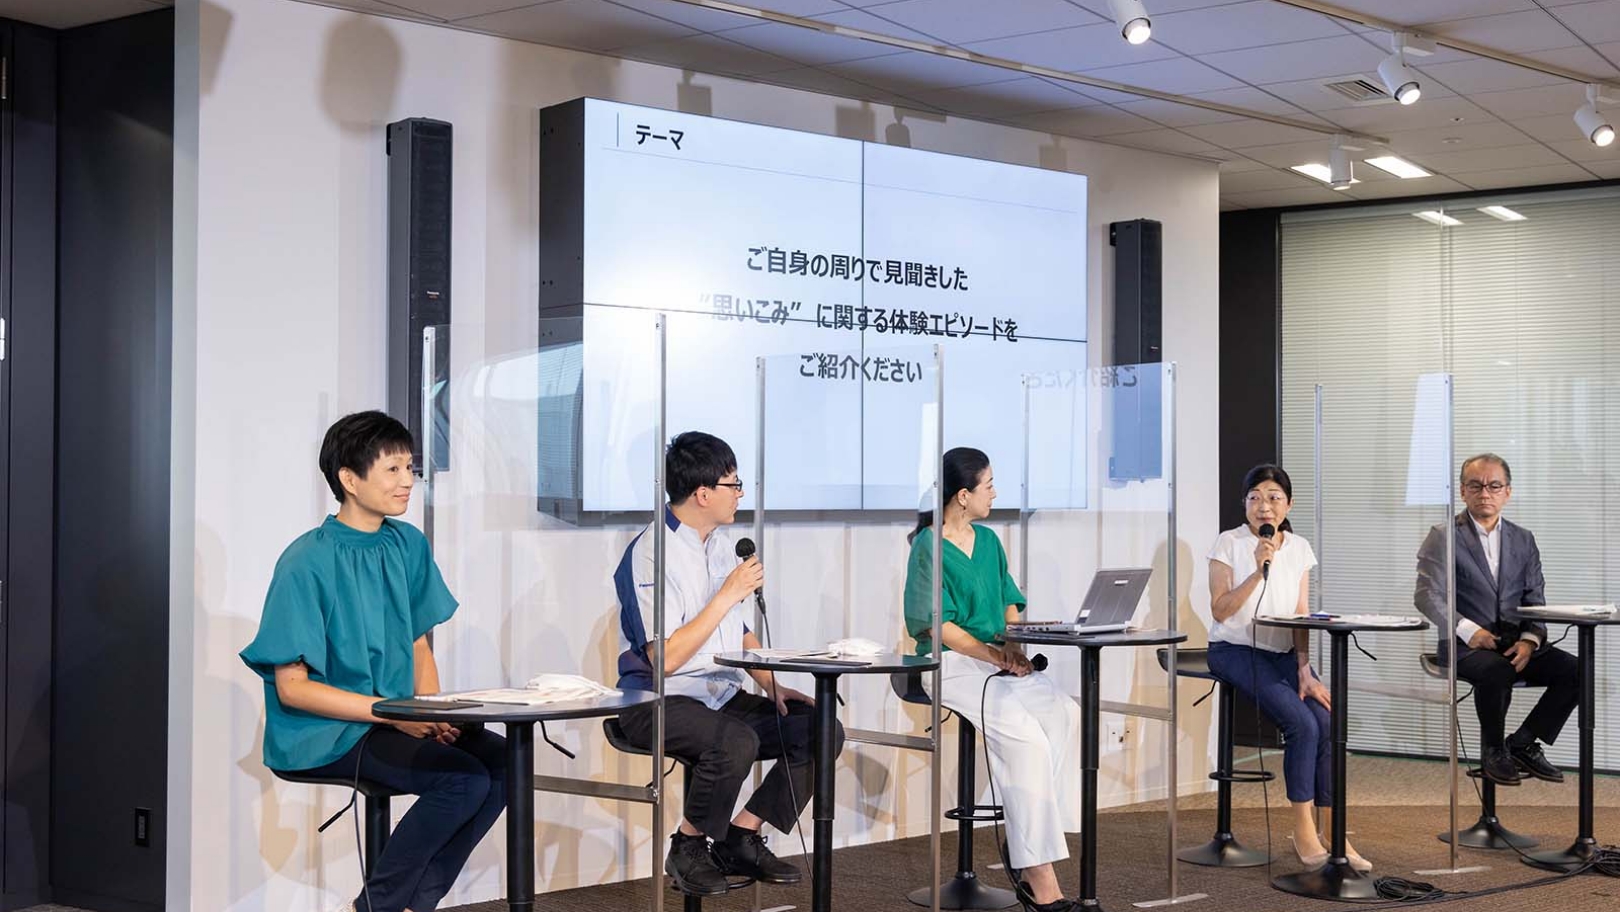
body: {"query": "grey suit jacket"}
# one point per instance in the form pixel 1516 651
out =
pixel 1489 603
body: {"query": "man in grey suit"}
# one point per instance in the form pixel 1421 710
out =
pixel 1498 570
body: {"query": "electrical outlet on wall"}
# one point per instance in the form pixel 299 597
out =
pixel 1116 735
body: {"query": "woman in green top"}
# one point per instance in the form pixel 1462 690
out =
pixel 345 625
pixel 1031 728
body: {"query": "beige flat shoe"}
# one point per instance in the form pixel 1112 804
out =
pixel 1359 864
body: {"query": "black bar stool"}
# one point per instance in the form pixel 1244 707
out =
pixel 965 890
pixel 378 822
pixel 1487 832
pixel 615 737
pixel 1224 850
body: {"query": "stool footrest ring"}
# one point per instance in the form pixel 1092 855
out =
pixel 981 813
pixel 1243 776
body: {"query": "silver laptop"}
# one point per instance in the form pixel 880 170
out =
pixel 1109 606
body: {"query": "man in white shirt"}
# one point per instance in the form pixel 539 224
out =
pixel 1498 571
pixel 710 722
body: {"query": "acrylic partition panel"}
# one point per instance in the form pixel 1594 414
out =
pixel 537 580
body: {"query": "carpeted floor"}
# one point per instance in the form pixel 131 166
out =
pixel 1397 808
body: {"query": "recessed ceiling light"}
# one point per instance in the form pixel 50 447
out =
pixel 1318 171
pixel 1399 167
pixel 1503 213
pixel 1436 217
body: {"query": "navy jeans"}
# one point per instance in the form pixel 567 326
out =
pixel 1271 680
pixel 462 789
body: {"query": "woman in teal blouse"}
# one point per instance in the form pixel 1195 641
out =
pixel 1030 727
pixel 344 626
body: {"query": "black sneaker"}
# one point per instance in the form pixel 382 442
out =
pixel 1529 759
pixel 744 852
pixel 693 867
pixel 1498 766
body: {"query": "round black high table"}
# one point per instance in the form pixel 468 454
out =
pixel 1091 647
pixel 519 720
pixel 1336 879
pixel 1585 846
pixel 826 674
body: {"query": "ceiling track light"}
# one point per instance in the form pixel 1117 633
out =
pixel 1400 80
pixel 1341 170
pixel 1132 18
pixel 1594 126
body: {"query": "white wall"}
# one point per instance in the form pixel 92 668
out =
pixel 287 324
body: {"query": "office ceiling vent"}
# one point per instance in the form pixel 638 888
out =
pixel 1358 89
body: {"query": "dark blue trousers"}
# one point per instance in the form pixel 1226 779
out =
pixel 461 789
pixel 1271 680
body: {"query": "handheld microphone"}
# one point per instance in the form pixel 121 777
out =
pixel 1267 530
pixel 745 550
pixel 1036 661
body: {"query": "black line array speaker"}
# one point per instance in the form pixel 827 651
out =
pixel 1138 291
pixel 1136 388
pixel 419 276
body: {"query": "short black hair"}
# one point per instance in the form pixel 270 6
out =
pixel 355 442
pixel 1507 472
pixel 1265 472
pixel 695 460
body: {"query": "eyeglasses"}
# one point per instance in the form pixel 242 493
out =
pixel 1474 487
pixel 1275 500
pixel 735 485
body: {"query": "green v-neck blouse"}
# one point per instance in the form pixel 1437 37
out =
pixel 351 605
pixel 976 592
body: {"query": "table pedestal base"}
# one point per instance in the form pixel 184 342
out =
pixel 1489 833
pixel 1581 853
pixel 965 891
pixel 1224 851
pixel 1335 880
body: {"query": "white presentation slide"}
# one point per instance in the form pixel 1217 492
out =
pixel 844 264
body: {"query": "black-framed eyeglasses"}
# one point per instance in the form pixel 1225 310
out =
pixel 736 485
pixel 1474 487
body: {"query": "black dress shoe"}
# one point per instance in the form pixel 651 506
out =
pixel 1027 900
pixel 693 867
pixel 1529 759
pixel 745 852
pixel 1498 766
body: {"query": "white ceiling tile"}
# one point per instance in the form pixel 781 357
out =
pixel 1262 179
pixel 1605 170
pixel 1556 128
pixel 818 80
pixel 1537 102
pixel 1392 189
pixel 914 71
pixel 1172 114
pixel 711 20
pixel 1087 47
pixel 815 48
pixel 1423 12
pixel 1521 156
pixel 1235 133
pixel 1299 60
pixel 1163 141
pixel 1529 30
pixel 1241 165
pixel 57 14
pixel 1456 138
pixel 1526 177
pixel 708 54
pixel 1099 120
pixel 1584 153
pixel 1181 75
pixel 1226 206
pixel 1596 23
pixel 1288 154
pixel 586 24
pixel 1396 118
pixel 1239 25
pixel 1580 59
pixel 1299 196
pixel 963 21
pixel 451 10
pixel 1021 95
pixel 1468 77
